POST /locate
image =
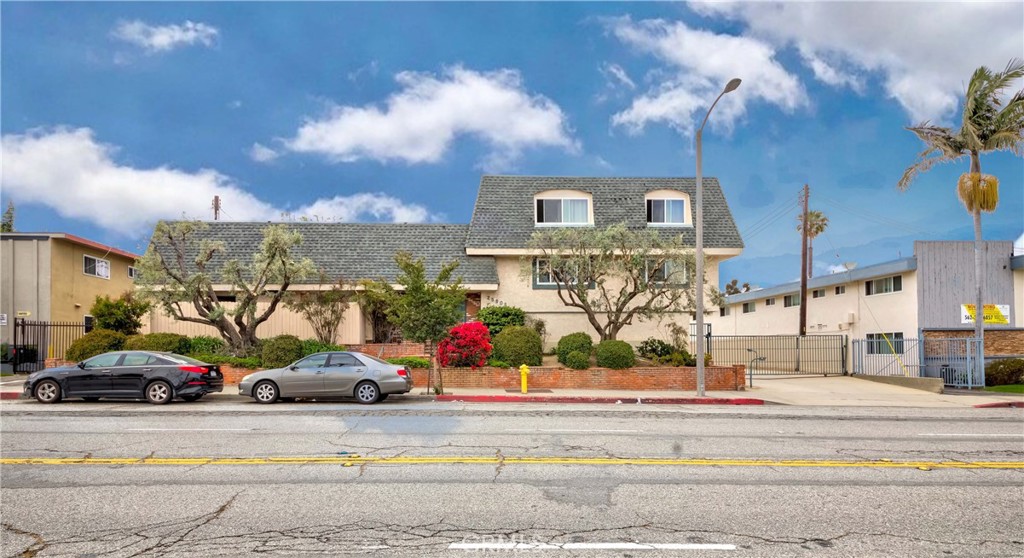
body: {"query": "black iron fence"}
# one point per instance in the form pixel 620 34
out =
pixel 781 354
pixel 34 342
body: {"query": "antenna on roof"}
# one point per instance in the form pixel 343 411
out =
pixel 216 208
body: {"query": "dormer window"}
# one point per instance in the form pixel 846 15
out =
pixel 668 208
pixel 563 211
pixel 666 212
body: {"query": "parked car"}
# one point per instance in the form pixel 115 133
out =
pixel 323 375
pixel 157 377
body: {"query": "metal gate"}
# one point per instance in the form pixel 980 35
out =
pixel 781 354
pixel 34 342
pixel 958 361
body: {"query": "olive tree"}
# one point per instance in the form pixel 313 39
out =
pixel 177 272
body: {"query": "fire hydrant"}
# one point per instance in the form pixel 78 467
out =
pixel 524 371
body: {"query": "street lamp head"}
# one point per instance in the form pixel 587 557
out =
pixel 732 85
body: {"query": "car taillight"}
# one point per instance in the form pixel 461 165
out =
pixel 192 369
pixel 404 372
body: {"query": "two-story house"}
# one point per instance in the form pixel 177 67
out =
pixel 492 250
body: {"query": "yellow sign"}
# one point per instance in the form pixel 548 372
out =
pixel 24 313
pixel 994 314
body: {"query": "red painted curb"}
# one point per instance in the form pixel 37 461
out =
pixel 1001 404
pixel 612 400
pixel 10 394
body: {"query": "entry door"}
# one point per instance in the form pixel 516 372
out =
pixel 343 371
pixel 95 374
pixel 305 378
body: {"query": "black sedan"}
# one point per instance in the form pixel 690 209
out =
pixel 158 377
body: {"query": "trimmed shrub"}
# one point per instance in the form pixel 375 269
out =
pixel 578 341
pixel 238 362
pixel 679 358
pixel 497 318
pixel 411 361
pixel 312 346
pixel 615 354
pixel 164 342
pixel 1004 372
pixel 281 351
pixel 467 344
pixel 518 345
pixel 96 342
pixel 654 347
pixel 495 363
pixel 578 360
pixel 205 344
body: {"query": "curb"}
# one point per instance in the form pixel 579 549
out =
pixel 1001 404
pixel 10 394
pixel 611 400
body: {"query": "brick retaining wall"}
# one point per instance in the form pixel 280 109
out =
pixel 717 378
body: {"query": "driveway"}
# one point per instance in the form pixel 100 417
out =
pixel 850 391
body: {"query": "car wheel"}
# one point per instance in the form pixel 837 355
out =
pixel 382 397
pixel 159 392
pixel 191 398
pixel 265 392
pixel 367 393
pixel 91 399
pixel 47 391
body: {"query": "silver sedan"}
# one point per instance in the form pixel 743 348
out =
pixel 323 375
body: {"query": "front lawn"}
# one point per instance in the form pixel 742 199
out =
pixel 1011 388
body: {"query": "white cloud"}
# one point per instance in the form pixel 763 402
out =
pixel 370 69
pixel 924 52
pixel 420 123
pixel 69 171
pixel 700 63
pixel 158 38
pixel 262 154
pixel 620 75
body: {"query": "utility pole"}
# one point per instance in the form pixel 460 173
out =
pixel 216 208
pixel 803 266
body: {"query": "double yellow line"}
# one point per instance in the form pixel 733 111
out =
pixel 350 460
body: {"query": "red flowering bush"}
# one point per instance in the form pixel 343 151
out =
pixel 467 344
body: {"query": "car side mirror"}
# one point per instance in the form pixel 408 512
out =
pixel 293 367
pixel 81 365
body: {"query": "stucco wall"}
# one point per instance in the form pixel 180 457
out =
pixel 516 289
pixel 880 313
pixel 72 292
pixel 1018 296
pixel 24 281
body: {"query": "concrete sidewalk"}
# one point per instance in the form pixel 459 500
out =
pixel 832 391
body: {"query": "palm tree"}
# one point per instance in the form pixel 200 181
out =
pixel 816 224
pixel 986 126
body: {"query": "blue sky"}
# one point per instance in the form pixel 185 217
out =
pixel 115 115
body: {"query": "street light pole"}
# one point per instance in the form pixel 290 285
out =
pixel 699 244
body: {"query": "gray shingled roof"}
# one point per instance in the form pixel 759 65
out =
pixel 504 212
pixel 362 250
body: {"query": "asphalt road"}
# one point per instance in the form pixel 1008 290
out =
pixel 231 478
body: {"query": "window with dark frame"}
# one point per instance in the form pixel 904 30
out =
pixel 749 307
pixel 841 289
pixel 566 211
pixel 666 211
pixel 791 300
pixel 884 285
pixel 96 267
pixel 885 343
pixel 818 293
pixel 769 302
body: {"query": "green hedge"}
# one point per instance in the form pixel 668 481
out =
pixel 578 360
pixel 497 318
pixel 313 346
pixel 615 354
pixel 495 363
pixel 239 362
pixel 164 342
pixel 578 341
pixel 281 351
pixel 518 345
pixel 654 347
pixel 411 362
pixel 96 342
pixel 1005 372
pixel 206 345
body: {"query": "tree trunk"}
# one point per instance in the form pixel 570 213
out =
pixel 979 308
pixel 810 257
